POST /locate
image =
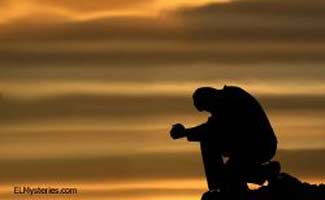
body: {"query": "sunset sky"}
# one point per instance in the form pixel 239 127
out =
pixel 89 89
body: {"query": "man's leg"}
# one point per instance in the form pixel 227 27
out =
pixel 213 166
pixel 235 183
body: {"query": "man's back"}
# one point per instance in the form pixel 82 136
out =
pixel 242 125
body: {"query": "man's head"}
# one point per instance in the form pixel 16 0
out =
pixel 204 98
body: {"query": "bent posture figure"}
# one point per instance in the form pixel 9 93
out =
pixel 238 129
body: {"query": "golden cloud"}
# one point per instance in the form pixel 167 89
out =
pixel 95 5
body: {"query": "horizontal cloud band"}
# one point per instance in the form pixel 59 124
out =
pixel 302 163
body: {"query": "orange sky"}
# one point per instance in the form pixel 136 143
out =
pixel 94 86
pixel 83 10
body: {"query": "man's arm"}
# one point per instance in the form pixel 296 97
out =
pixel 196 133
pixel 193 134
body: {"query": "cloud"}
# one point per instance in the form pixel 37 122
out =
pixel 258 78
pixel 130 107
pixel 294 102
pixel 106 106
pixel 158 56
pixel 256 7
pixel 234 32
pixel 276 21
pixel 302 163
pixel 94 5
pixel 245 20
pixel 62 125
pixel 49 11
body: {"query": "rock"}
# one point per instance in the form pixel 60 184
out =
pixel 284 187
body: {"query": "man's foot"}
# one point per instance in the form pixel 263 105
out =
pixel 215 194
pixel 227 193
pixel 266 172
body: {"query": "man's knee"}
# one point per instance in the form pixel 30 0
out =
pixel 265 172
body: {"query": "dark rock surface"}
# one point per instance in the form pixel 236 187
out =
pixel 284 187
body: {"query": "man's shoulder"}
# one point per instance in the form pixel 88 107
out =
pixel 237 95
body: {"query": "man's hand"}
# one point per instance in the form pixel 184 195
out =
pixel 177 131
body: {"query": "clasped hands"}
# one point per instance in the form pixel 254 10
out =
pixel 178 131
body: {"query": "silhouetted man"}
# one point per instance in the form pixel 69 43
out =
pixel 237 129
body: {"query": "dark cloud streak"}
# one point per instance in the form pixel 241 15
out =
pixel 302 163
pixel 128 107
pixel 124 57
